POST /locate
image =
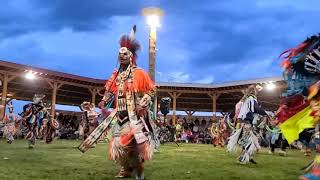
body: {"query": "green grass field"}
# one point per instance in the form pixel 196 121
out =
pixel 61 160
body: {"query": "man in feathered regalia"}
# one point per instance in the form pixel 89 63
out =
pixel 132 89
pixel 245 136
pixel 36 115
pixel 298 113
pixel 30 117
pixel 218 131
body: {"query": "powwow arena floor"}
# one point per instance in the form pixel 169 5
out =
pixel 62 160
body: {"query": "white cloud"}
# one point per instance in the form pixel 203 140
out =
pixel 180 77
pixel 206 80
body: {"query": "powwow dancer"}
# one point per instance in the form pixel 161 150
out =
pixel 35 113
pixel 218 131
pixel 49 125
pixel 46 124
pixel 30 115
pixel 314 166
pixel 236 120
pixel 217 139
pixel 178 130
pixel 89 119
pixel 10 120
pixel 132 90
pixel 224 133
pixel 297 113
pixel 245 136
pixel 277 140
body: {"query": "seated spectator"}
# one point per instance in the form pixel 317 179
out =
pixel 203 122
pixel 185 123
pixel 189 136
pixel 197 122
pixel 201 138
pixel 191 124
pixel 195 131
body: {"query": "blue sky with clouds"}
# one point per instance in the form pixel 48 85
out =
pixel 207 41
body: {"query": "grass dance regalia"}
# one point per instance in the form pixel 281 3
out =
pixel 38 121
pixel 245 136
pixel 132 89
pixel 10 120
pixel 298 114
pixel 218 133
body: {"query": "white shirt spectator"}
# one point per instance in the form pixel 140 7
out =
pixel 195 128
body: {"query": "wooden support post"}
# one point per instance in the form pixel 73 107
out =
pixel 94 92
pixel 214 97
pixel 174 96
pixel 4 95
pixel 54 98
pixel 55 86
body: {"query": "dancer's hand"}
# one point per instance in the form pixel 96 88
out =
pixel 106 98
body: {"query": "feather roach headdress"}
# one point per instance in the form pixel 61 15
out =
pixel 301 70
pixel 128 43
pixel 305 58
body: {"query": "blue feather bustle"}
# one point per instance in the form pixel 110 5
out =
pixel 302 67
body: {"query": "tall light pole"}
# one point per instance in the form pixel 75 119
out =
pixel 152 15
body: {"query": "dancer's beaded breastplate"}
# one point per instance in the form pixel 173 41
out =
pixel 122 108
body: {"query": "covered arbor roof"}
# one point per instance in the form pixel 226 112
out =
pixel 73 89
pixel 198 96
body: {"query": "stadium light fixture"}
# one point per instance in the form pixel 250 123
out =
pixel 270 86
pixel 152 15
pixel 30 75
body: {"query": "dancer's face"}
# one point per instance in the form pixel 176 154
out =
pixel 124 56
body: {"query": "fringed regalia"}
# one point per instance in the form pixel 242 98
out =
pixel 88 120
pixel 46 124
pixel 35 115
pixel 132 90
pixel 298 114
pixel 245 136
pixel 130 145
pixel 49 126
pixel 30 116
pixel 218 134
